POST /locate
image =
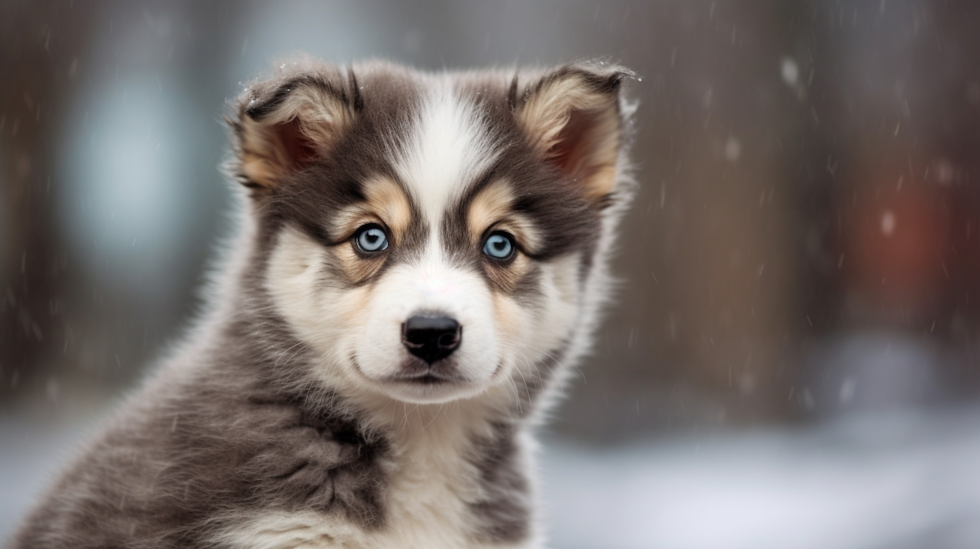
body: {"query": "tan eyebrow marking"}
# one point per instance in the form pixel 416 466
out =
pixel 493 205
pixel 489 206
pixel 385 202
pixel 388 200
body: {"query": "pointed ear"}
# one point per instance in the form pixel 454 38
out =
pixel 574 118
pixel 282 124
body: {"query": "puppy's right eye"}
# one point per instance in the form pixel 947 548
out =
pixel 371 238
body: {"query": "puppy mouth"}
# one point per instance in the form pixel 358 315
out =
pixel 438 383
pixel 430 377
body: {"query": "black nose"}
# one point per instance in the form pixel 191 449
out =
pixel 431 338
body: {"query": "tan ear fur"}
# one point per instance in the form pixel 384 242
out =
pixel 284 123
pixel 573 117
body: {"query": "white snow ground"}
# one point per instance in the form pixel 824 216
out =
pixel 905 481
pixel 908 480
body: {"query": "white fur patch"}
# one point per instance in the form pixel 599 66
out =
pixel 277 530
pixel 429 286
pixel 449 147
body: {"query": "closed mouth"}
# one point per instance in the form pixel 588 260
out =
pixel 421 378
pixel 426 378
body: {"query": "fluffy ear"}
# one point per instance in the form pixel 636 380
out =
pixel 282 124
pixel 573 117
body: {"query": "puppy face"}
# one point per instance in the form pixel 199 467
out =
pixel 428 236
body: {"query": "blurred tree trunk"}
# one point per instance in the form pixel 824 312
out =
pixel 703 333
pixel 44 44
pixel 59 324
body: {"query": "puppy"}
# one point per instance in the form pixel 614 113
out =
pixel 423 258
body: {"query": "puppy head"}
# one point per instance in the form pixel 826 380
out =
pixel 431 236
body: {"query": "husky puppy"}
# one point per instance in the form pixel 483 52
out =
pixel 423 259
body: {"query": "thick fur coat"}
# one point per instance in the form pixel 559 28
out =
pixel 305 410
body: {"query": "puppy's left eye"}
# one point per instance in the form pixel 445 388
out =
pixel 499 246
pixel 371 238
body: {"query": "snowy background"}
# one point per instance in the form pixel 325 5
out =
pixel 793 359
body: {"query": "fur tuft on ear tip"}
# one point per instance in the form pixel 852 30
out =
pixel 281 124
pixel 575 118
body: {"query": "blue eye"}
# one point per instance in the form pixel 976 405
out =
pixel 499 246
pixel 371 238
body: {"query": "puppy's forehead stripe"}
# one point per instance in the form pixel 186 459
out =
pixel 447 149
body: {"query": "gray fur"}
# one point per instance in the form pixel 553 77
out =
pixel 503 514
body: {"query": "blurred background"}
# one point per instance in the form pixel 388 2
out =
pixel 793 359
